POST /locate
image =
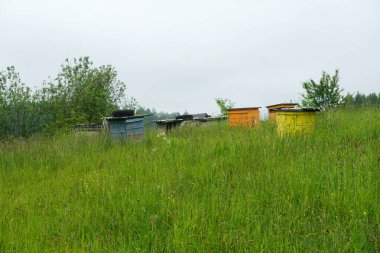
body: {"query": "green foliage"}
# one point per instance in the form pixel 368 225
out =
pixel 18 112
pixel 359 99
pixel 81 93
pixel 325 94
pixel 203 189
pixel 224 104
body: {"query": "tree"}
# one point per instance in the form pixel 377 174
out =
pixel 224 104
pixel 348 100
pixel 80 93
pixel 17 110
pixel 325 94
pixel 372 99
pixel 359 99
pixel 83 93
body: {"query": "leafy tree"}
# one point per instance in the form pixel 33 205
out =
pixel 81 93
pixel 17 108
pixel 325 94
pixel 91 92
pixel 224 104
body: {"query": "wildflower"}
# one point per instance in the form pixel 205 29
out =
pixel 160 134
pixel 166 140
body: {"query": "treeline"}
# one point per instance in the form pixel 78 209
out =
pixel 151 113
pixel 360 99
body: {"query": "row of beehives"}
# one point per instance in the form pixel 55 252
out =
pixel 132 126
pixel 164 126
pixel 289 120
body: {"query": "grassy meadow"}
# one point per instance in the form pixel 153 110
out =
pixel 202 189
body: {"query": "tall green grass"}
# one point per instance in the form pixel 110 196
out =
pixel 204 189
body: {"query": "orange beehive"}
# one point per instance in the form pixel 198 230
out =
pixel 272 111
pixel 246 117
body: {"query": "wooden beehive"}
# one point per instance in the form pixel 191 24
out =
pixel 272 109
pixel 131 127
pixel 293 121
pixel 245 117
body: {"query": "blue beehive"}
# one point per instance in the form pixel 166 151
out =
pixel 126 127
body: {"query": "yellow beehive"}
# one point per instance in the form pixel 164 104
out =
pixel 246 117
pixel 295 121
pixel 272 109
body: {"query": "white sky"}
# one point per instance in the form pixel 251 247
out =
pixel 180 55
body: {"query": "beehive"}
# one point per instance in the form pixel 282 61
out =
pixel 131 128
pixel 246 117
pixel 295 121
pixel 272 109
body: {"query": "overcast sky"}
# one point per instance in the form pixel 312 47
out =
pixel 179 55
